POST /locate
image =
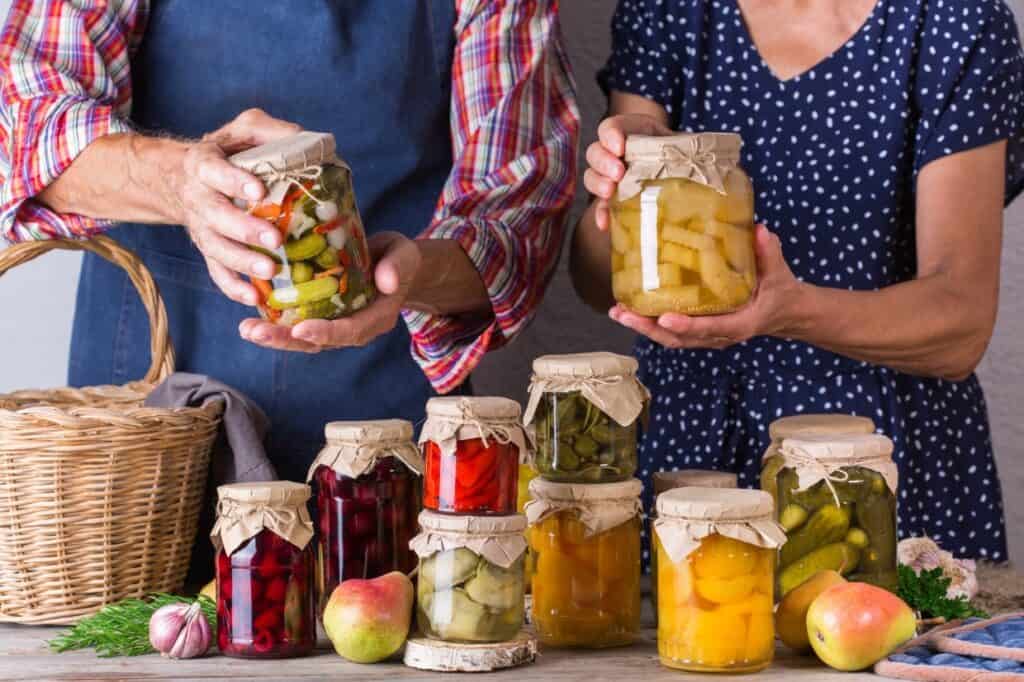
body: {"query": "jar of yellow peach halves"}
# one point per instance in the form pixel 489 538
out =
pixel 586 585
pixel 683 226
pixel 716 564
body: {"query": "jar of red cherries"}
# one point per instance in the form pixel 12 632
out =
pixel 471 451
pixel 367 479
pixel 265 598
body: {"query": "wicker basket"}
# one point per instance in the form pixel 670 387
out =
pixel 99 496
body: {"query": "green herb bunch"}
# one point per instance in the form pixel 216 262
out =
pixel 122 629
pixel 926 592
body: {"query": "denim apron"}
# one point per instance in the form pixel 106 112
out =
pixel 376 74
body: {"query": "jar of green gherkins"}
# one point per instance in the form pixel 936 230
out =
pixel 584 412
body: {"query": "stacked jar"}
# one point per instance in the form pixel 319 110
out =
pixel 836 497
pixel 716 563
pixel 367 479
pixel 471 545
pixel 266 604
pixel 585 513
pixel 801 425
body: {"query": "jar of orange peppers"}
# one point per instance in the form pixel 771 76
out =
pixel 471 452
pixel 324 269
pixel 716 573
pixel 586 586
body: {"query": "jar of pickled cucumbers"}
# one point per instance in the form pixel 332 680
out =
pixel 716 562
pixel 586 537
pixel 470 587
pixel 836 497
pixel 682 478
pixel 583 412
pixel 797 426
pixel 682 226
pixel 367 479
pixel 266 604
pixel 324 269
pixel 471 452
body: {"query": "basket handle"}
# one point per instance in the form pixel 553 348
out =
pixel 161 349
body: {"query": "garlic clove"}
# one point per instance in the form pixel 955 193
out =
pixel 180 631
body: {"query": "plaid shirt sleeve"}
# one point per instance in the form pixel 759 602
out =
pixel 64 80
pixel 515 131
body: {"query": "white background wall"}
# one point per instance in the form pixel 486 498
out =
pixel 36 302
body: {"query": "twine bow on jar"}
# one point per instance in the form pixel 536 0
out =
pixel 700 164
pixel 294 177
pixel 502 433
pixel 238 522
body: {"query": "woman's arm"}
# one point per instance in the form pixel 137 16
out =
pixel 938 324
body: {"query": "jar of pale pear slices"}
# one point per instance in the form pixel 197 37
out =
pixel 682 226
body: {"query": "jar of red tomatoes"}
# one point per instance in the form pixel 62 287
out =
pixel 471 451
pixel 266 605
pixel 367 479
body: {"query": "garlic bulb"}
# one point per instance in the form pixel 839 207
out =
pixel 922 554
pixel 180 631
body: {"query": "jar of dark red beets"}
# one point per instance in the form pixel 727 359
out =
pixel 266 604
pixel 367 480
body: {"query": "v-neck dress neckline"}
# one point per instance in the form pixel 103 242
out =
pixel 755 52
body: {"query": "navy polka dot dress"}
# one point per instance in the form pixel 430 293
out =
pixel 834 155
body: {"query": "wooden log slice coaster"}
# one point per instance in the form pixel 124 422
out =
pixel 431 654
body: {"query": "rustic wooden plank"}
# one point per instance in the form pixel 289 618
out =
pixel 24 655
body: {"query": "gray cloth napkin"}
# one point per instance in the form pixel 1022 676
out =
pixel 238 453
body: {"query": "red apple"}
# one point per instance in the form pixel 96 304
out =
pixel 368 620
pixel 852 626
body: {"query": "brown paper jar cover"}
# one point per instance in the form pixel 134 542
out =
pixel 599 506
pixel 498 539
pixel 704 158
pixel 816 458
pixel 688 478
pixel 454 418
pixel 245 509
pixel 353 448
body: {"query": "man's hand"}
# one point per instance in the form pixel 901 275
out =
pixel 397 262
pixel 775 309
pixel 205 188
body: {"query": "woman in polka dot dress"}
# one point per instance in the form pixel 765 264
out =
pixel 883 138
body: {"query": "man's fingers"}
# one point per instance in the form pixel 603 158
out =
pixel 237 225
pixel 356 330
pixel 231 254
pixel 397 260
pixel 274 336
pixel 251 128
pixel 219 174
pixel 231 284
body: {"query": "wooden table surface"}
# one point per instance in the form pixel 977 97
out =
pixel 25 656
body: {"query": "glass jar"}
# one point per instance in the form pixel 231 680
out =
pixel 797 426
pixel 471 452
pixel 368 497
pixel 586 538
pixel 836 497
pixel 584 409
pixel 683 478
pixel 526 474
pixel 716 554
pixel 324 269
pixel 682 226
pixel 265 571
pixel 470 587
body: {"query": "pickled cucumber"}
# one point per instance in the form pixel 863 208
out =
pixel 302 272
pixel 495 587
pixel 838 556
pixel 858 538
pixel 826 525
pixel 447 569
pixel 328 258
pixel 320 310
pixel 792 517
pixel 769 474
pixel 301 294
pixel 309 246
pixel 876 514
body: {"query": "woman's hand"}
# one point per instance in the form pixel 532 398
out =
pixel 774 310
pixel 397 262
pixel 604 157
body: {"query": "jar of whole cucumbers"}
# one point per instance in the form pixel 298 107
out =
pixel 716 554
pixel 324 269
pixel 586 538
pixel 682 226
pixel 584 410
pixel 368 492
pixel 470 587
pixel 836 499
pixel 797 426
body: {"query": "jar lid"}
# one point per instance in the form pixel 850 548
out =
pixel 245 509
pixel 588 492
pixel 819 425
pixel 701 478
pixel 354 448
pixel 585 365
pixel 472 525
pixel 369 431
pixel 704 158
pixel 271 493
pixel 821 458
pixel 716 504
pixel 295 152
pixel 478 407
